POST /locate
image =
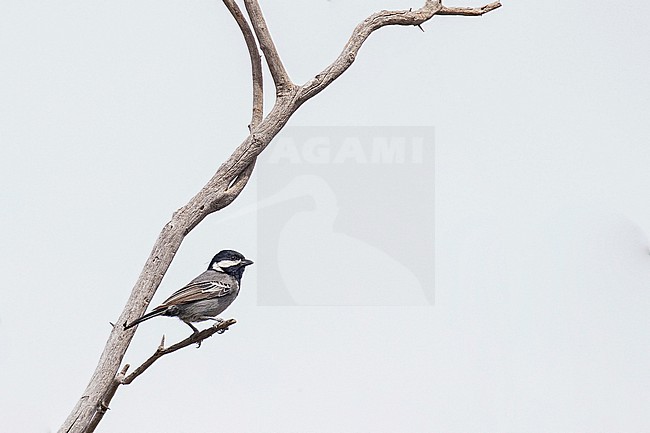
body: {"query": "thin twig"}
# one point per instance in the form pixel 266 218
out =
pixel 280 76
pixel 122 379
pixel 368 26
pixel 469 12
pixel 359 35
pixel 161 351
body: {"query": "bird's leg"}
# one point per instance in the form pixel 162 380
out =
pixel 195 331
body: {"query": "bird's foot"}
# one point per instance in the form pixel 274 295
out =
pixel 219 322
pixel 198 343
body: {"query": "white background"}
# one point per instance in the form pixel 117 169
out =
pixel 113 114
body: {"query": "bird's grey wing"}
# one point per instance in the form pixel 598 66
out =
pixel 197 291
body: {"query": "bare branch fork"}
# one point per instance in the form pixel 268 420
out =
pixel 231 178
pixel 122 379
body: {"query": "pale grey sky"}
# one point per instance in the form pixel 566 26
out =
pixel 113 114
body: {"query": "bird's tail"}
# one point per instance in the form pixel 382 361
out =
pixel 154 313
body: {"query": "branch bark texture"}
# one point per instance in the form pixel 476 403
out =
pixel 231 177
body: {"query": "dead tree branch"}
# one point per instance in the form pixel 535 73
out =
pixel 280 76
pixel 122 379
pixel 104 404
pixel 258 85
pixel 198 337
pixel 256 62
pixel 230 179
pixel 469 12
pixel 359 36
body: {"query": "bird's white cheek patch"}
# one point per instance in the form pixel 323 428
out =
pixel 228 263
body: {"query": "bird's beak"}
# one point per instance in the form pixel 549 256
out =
pixel 246 262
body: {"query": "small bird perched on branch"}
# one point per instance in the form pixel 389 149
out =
pixel 207 295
